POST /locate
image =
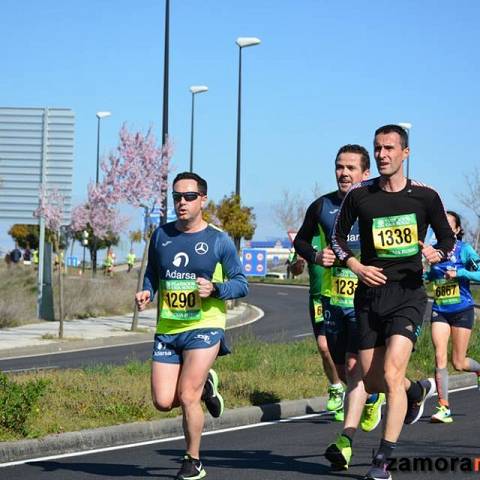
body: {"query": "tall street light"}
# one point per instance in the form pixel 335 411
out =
pixel 407 126
pixel 166 57
pixel 100 115
pixel 194 89
pixel 242 42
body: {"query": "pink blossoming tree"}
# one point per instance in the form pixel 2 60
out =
pixel 137 173
pixel 51 209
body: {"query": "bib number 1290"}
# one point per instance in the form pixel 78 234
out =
pixel 180 300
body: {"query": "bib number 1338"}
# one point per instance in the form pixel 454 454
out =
pixel 395 236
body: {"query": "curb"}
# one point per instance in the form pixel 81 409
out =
pixel 248 314
pixel 118 435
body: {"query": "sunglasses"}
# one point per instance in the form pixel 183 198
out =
pixel 188 196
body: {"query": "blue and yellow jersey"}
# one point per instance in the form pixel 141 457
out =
pixel 175 260
pixel 453 296
pixel 314 236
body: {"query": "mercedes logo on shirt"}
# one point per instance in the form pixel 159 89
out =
pixel 201 248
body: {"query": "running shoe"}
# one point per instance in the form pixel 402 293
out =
pixel 339 453
pixel 212 398
pixel 442 415
pixel 379 469
pixel 191 469
pixel 415 409
pixel 335 398
pixel 339 415
pixel 372 414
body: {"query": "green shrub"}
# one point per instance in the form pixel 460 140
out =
pixel 18 402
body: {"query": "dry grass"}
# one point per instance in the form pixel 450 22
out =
pixel 18 295
pixel 84 296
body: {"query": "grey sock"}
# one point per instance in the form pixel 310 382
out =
pixel 441 379
pixel 473 365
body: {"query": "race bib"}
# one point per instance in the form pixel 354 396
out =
pixel 395 236
pixel 180 300
pixel 317 311
pixel 344 283
pixel 446 292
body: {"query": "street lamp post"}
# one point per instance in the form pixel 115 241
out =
pixel 84 243
pixel 242 42
pixel 100 115
pixel 194 89
pixel 407 127
pixel 166 58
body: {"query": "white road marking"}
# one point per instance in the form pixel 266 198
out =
pixel 302 335
pixel 180 437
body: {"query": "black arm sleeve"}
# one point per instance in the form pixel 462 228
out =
pixel 345 219
pixel 309 228
pixel 439 222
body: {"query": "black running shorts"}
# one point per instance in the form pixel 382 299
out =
pixel 341 331
pixel 463 319
pixel 392 309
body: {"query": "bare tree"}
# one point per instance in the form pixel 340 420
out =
pixel 470 198
pixel 289 211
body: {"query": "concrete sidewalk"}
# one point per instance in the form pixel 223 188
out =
pixel 42 337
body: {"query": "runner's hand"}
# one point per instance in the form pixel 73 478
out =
pixel 142 299
pixel 431 254
pixel 371 276
pixel 325 258
pixel 449 274
pixel 297 267
pixel 205 287
pixel 368 274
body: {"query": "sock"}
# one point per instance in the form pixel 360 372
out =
pixel 336 385
pixel 372 398
pixel 415 392
pixel 473 366
pixel 386 448
pixel 441 379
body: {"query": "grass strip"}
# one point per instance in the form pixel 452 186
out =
pixel 256 373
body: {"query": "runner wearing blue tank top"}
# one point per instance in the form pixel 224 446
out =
pixel 194 267
pixel 453 314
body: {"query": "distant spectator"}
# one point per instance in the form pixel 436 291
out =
pixel 27 256
pixel 108 263
pixel 130 260
pixel 35 258
pixel 16 254
pixel 292 258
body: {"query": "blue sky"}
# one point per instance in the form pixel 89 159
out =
pixel 327 73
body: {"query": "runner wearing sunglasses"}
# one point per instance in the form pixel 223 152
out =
pixel 194 267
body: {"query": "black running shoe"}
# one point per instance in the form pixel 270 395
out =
pixel 192 469
pixel 212 398
pixel 415 409
pixel 378 470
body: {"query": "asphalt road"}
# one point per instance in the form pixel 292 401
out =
pixel 285 319
pixel 280 451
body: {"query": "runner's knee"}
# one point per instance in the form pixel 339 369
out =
pixel 458 364
pixel 162 404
